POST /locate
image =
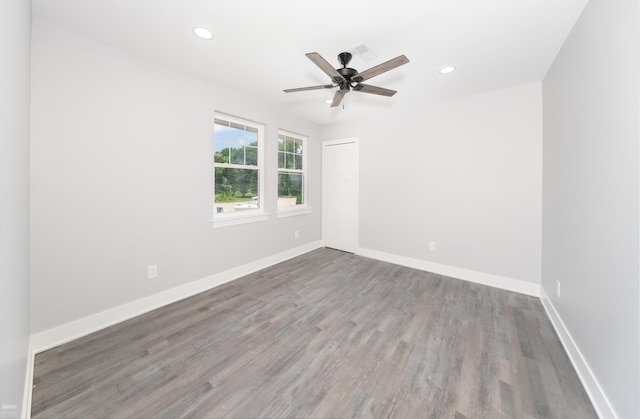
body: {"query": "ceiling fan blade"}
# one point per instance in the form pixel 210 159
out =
pixel 337 98
pixel 326 67
pixel 380 68
pixel 366 88
pixel 302 89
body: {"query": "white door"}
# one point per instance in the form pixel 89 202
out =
pixel 340 197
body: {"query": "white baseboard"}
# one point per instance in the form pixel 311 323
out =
pixel 509 284
pixel 28 383
pixel 67 332
pixel 592 387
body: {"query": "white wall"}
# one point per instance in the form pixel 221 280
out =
pixel 122 178
pixel 465 174
pixel 15 27
pixel 590 200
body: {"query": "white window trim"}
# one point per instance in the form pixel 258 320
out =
pixel 305 208
pixel 283 213
pixel 244 217
pixel 227 220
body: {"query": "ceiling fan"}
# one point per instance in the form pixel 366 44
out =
pixel 348 79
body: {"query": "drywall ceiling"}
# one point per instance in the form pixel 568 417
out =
pixel 259 46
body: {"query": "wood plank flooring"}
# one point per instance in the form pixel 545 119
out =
pixel 327 334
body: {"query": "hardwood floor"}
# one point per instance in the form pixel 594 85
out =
pixel 327 334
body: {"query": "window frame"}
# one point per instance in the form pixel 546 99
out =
pixel 305 207
pixel 251 215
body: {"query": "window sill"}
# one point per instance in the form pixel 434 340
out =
pixel 292 212
pixel 239 219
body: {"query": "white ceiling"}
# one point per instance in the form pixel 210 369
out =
pixel 259 46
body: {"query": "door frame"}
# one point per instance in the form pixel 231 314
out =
pixel 325 145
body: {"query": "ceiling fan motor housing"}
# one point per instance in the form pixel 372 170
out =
pixel 347 73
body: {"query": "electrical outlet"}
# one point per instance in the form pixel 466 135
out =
pixel 152 271
pixel 296 234
pixel 558 288
pixel 432 246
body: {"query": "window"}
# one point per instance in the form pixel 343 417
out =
pixel 237 173
pixel 292 171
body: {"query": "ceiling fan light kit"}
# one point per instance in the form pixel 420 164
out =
pixel 347 79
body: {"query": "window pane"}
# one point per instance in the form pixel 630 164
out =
pixel 230 140
pixel 280 143
pixel 251 155
pixel 235 185
pixel 250 136
pixel 220 136
pixel 221 157
pixel 237 155
pixel 298 149
pixel 281 160
pixel 285 141
pixel 298 160
pixel 291 145
pixel 290 189
pixel 224 135
pixel 220 122
pixel 290 161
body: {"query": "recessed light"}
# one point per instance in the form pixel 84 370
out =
pixel 329 101
pixel 447 70
pixel 203 33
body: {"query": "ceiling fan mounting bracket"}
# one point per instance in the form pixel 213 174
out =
pixel 344 58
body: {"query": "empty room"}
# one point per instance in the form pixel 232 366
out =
pixel 303 209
